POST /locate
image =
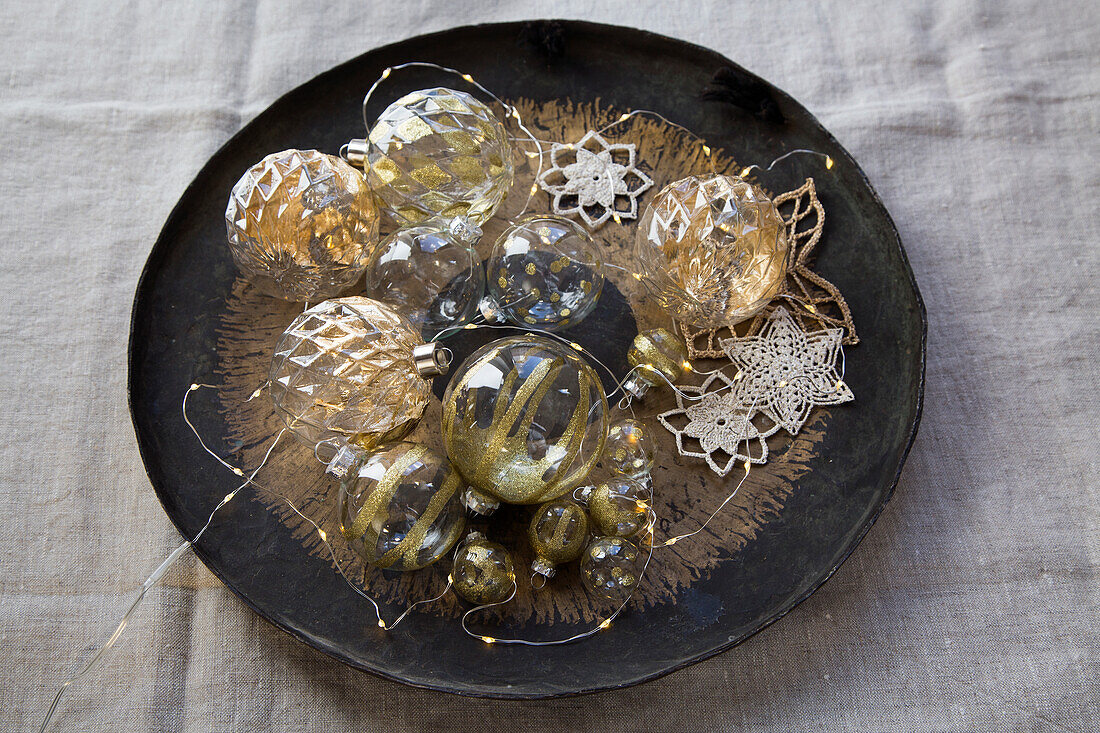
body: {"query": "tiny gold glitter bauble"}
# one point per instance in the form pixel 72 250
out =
pixel 712 250
pixel 524 419
pixel 558 533
pixel 611 568
pixel 400 507
pixel 620 507
pixel 630 449
pixel 483 571
pixel 439 152
pixel 551 273
pixel 301 225
pixel 655 354
pixel 344 369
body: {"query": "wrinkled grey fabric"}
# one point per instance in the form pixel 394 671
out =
pixel 972 604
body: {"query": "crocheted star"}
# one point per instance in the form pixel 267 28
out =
pixel 721 420
pixel 786 371
pixel 594 179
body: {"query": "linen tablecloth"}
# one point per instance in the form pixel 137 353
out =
pixel 971 605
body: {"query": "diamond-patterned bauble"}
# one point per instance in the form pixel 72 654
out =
pixel 712 250
pixel 438 152
pixel 301 225
pixel 344 369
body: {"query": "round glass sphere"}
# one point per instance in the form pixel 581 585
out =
pixel 712 250
pixel 345 369
pixel 545 272
pixel 630 449
pixel 427 275
pixel 620 507
pixel 301 225
pixel 483 571
pixel 400 508
pixel 611 568
pixel 524 420
pixel 659 357
pixel 439 152
pixel 558 533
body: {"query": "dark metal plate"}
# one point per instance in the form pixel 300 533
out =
pixel 188 282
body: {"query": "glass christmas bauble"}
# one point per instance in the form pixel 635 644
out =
pixel 400 507
pixel 630 449
pixel 301 225
pixel 654 354
pixel 712 250
pixel 619 507
pixel 611 568
pixel 429 276
pixel 558 533
pixel 439 152
pixel 483 571
pixel 351 369
pixel 544 272
pixel 524 421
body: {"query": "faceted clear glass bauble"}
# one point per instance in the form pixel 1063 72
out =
pixel 611 568
pixel 427 275
pixel 524 419
pixel 344 370
pixel 483 571
pixel 712 250
pixel 400 507
pixel 439 152
pixel 630 449
pixel 558 533
pixel 619 507
pixel 301 225
pixel 545 272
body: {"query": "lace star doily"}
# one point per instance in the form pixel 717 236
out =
pixel 805 219
pixel 786 371
pixel 596 181
pixel 721 421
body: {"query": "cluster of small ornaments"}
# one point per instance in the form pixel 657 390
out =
pixel 525 418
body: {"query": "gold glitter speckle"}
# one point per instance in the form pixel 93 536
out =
pixel 530 269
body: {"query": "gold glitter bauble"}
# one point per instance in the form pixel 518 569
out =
pixel 344 369
pixel 301 225
pixel 630 448
pixel 483 571
pixel 401 508
pixel 611 568
pixel 619 507
pixel 524 420
pixel 438 152
pixel 712 250
pixel 558 533
pixel 655 353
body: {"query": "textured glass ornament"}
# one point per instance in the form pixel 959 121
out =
pixel 611 568
pixel 429 276
pixel 630 448
pixel 483 571
pixel 558 533
pixel 655 354
pixel 544 272
pixel 301 225
pixel 712 250
pixel 439 152
pixel 619 507
pixel 400 507
pixel 348 369
pixel 524 421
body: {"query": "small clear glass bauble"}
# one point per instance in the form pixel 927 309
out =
pixel 619 507
pixel 345 370
pixel 401 507
pixel 429 276
pixel 301 225
pixel 439 153
pixel 558 533
pixel 483 571
pixel 658 357
pixel 524 420
pixel 712 250
pixel 611 568
pixel 630 449
pixel 544 272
